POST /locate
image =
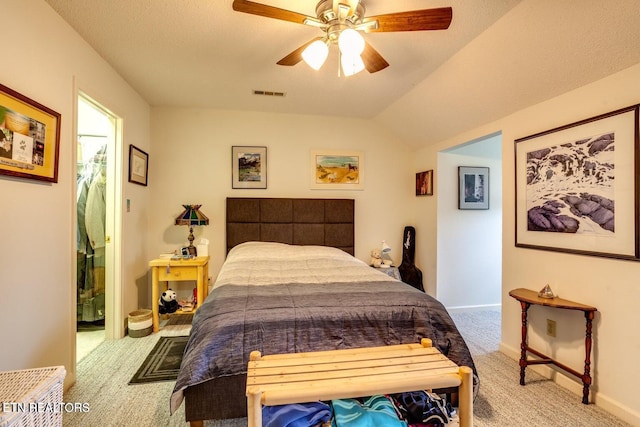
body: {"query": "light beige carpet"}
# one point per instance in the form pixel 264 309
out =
pixel 87 341
pixel 501 402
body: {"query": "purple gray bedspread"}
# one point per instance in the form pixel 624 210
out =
pixel 287 318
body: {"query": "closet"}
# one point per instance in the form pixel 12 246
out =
pixel 98 167
pixel 91 213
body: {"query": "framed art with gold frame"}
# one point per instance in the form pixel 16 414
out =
pixel 29 137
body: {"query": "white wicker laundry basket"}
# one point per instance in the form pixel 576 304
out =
pixel 32 397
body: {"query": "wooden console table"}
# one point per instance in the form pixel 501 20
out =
pixel 169 270
pixel 528 297
pixel 281 379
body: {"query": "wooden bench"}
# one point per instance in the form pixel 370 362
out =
pixel 281 379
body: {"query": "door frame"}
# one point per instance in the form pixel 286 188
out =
pixel 114 323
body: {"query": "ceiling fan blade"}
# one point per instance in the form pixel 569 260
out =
pixel 414 20
pixel 296 56
pixel 269 11
pixel 373 61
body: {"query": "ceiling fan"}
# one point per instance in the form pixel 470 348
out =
pixel 342 21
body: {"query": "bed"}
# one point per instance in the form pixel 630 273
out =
pixel 291 284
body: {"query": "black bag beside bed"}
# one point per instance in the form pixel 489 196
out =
pixel 409 273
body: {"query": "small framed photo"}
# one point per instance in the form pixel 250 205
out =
pixel 138 165
pixel 248 167
pixel 473 187
pixel 424 183
pixel 190 251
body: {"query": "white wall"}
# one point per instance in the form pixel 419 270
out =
pixel 610 285
pixel 469 250
pixel 454 269
pixel 191 163
pixel 45 60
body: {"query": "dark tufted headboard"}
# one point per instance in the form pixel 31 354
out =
pixel 324 222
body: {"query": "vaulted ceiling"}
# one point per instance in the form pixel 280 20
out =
pixel 496 57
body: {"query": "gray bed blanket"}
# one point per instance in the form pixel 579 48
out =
pixel 288 318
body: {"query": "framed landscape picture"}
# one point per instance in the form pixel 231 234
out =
pixel 473 187
pixel 248 167
pixel 576 187
pixel 337 170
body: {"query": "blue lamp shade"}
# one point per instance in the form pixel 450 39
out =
pixel 192 216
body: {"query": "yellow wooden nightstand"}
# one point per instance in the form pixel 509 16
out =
pixel 170 270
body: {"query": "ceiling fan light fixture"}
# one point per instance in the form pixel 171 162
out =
pixel 315 54
pixel 351 64
pixel 350 42
pixel 345 19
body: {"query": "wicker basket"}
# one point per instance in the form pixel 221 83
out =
pixel 140 323
pixel 32 397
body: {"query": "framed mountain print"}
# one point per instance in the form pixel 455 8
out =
pixel 249 167
pixel 576 187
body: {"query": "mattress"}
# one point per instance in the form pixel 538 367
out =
pixel 278 298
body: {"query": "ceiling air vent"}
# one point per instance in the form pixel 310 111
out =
pixel 268 93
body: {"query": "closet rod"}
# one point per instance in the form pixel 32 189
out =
pixel 80 135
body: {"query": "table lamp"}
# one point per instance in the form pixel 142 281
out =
pixel 192 216
pixel 386 258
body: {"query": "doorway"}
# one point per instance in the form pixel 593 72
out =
pixel 469 242
pixel 96 163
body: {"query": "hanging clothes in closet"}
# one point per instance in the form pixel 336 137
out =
pixel 91 202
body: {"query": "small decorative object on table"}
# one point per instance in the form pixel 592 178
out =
pixel 186 306
pixel 546 292
pixel 386 258
pixel 167 302
pixel 376 258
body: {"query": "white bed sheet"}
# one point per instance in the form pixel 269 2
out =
pixel 267 263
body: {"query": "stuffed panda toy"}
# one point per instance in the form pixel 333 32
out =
pixel 167 302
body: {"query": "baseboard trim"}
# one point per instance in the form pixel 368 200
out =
pixel 559 377
pixel 472 308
